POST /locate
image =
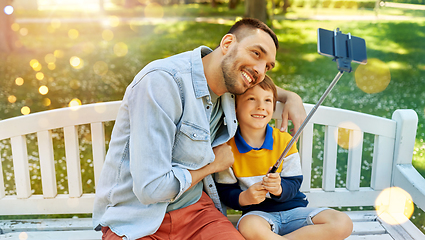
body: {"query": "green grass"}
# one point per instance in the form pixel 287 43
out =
pixel 398 44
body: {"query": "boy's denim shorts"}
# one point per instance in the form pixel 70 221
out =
pixel 288 221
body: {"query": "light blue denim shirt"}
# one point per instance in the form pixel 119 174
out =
pixel 161 131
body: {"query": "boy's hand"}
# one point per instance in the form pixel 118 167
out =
pixel 271 183
pixel 253 195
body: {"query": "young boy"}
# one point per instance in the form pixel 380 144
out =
pixel 272 205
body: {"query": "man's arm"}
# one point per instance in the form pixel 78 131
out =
pixel 293 109
pixel 223 160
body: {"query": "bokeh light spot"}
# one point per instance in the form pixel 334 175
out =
pixel 373 77
pixel 107 35
pixel 47 102
pixel 120 49
pixel 75 103
pixel 19 81
pixel 25 110
pixel 35 64
pixel 73 33
pixel 8 9
pixel 58 53
pixel 343 135
pixel 114 21
pixel 76 62
pixel 394 205
pixel 23 31
pixel 99 108
pixel 51 66
pixel 23 236
pixel 43 90
pixel 50 58
pixel 11 99
pixel 100 68
pixel 15 27
pixel 39 76
pixel 74 84
pixel 154 10
pixel 55 23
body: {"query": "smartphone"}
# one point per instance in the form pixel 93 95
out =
pixel 336 44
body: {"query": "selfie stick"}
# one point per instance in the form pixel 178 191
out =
pixel 344 65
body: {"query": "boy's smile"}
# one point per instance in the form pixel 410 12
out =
pixel 254 109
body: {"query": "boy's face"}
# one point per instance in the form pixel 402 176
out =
pixel 254 108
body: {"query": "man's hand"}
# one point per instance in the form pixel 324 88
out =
pixel 223 157
pixel 253 195
pixel 271 182
pixel 293 110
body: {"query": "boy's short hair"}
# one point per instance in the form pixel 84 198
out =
pixel 268 84
pixel 251 24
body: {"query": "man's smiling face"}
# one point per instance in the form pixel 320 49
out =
pixel 247 61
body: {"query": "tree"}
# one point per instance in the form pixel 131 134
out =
pixel 8 37
pixel 256 9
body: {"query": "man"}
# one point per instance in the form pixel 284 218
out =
pixel 170 134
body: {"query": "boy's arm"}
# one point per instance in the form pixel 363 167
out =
pixel 229 195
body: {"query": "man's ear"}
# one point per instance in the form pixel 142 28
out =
pixel 226 42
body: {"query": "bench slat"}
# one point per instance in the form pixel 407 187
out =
pixel 37 204
pixel 306 153
pixel 2 186
pixel 20 166
pixel 354 164
pixel 382 163
pixel 72 152
pixel 370 237
pixel 329 159
pixel 98 146
pixel 47 163
pixel 54 235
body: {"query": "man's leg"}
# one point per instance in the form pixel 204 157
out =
pixel 202 221
pixel 199 221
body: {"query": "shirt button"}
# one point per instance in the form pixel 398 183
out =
pixel 194 135
pixel 210 185
pixel 208 107
pixel 234 121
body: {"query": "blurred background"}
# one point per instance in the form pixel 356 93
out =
pixel 61 53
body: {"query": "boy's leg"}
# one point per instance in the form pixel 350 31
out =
pixel 328 224
pixel 254 227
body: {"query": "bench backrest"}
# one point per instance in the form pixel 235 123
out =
pixel 340 186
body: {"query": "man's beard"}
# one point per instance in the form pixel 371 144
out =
pixel 231 74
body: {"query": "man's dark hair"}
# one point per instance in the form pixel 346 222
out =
pixel 253 24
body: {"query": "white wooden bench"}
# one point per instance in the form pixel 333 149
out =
pixel 391 166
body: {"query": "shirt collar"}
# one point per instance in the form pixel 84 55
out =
pixel 199 80
pixel 243 147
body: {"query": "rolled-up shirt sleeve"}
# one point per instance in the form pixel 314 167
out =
pixel 155 107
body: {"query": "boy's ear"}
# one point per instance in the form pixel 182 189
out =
pixel 226 42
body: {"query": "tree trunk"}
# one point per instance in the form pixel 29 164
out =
pixel 233 4
pixel 213 3
pixel 256 9
pixel 8 37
